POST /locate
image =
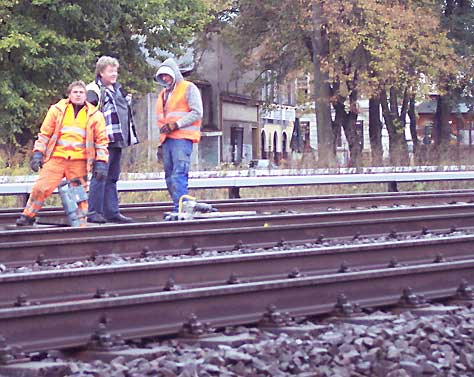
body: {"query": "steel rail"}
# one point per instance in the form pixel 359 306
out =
pixel 263 234
pixel 82 283
pixel 52 233
pixel 69 324
pixel 154 211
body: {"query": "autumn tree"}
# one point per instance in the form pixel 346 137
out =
pixel 380 49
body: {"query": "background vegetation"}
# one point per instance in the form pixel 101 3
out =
pixel 390 52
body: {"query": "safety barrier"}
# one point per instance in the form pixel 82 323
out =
pixel 235 183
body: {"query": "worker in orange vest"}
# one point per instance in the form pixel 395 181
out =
pixel 72 142
pixel 179 113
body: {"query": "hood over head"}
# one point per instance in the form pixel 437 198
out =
pixel 170 67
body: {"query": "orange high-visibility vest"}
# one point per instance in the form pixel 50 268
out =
pixel 96 135
pixel 177 107
pixel 71 143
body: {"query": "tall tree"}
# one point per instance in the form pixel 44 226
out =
pixel 457 18
pixel 46 44
pixel 367 47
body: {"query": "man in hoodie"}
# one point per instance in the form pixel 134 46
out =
pixel 72 141
pixel 106 93
pixel 179 113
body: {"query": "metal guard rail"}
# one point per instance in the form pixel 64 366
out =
pixel 233 184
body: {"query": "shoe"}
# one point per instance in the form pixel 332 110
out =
pixel 120 219
pixel 96 218
pixel 170 216
pixel 25 220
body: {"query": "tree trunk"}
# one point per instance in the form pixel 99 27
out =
pixel 326 155
pixel 395 123
pixel 413 132
pixel 375 131
pixel 442 134
pixel 347 120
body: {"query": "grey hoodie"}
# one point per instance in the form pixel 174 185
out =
pixel 193 95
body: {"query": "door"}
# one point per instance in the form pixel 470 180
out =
pixel 237 141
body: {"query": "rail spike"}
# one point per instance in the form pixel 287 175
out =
pixel 41 260
pixel 344 267
pixel 295 273
pixel 273 318
pixel 145 252
pixel 22 300
pixel 411 300
pixel 9 355
pixel 238 246
pixel 281 243
pixel 171 285
pixel 439 258
pixel 94 255
pixel 345 308
pixel 194 250
pixel 392 235
pixel 193 328
pixel 102 340
pixel 394 263
pixel 320 239
pixel 233 279
pixel 464 291
pixel 101 293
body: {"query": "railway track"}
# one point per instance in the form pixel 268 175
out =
pixel 458 213
pixel 153 211
pixel 72 324
pixel 223 275
pixel 142 276
pixel 126 241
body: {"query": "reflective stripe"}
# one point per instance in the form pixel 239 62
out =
pixel 66 143
pixel 72 129
pixel 38 203
pixel 191 127
pixel 72 140
pixel 177 114
pixel 33 209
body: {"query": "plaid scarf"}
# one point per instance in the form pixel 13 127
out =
pixel 109 109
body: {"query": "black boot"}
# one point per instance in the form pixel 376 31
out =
pixel 96 218
pixel 25 220
pixel 119 219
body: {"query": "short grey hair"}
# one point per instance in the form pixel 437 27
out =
pixel 72 85
pixel 103 62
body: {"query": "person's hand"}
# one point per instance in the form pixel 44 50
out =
pixel 100 170
pixel 159 154
pixel 168 127
pixel 36 161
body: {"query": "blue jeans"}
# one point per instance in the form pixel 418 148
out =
pixel 176 161
pixel 103 195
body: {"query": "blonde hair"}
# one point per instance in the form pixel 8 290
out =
pixel 80 83
pixel 103 62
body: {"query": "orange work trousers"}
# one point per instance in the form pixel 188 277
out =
pixel 53 171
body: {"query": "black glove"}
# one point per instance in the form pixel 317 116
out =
pixel 36 161
pixel 168 127
pixel 159 154
pixel 100 170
